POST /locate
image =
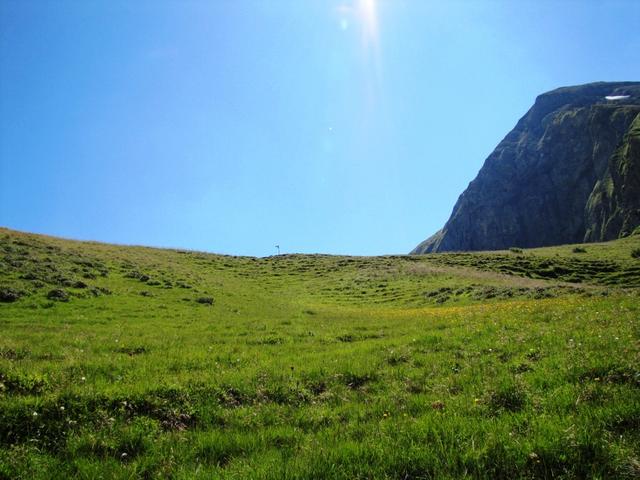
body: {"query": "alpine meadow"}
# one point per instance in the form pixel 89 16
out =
pixel 132 362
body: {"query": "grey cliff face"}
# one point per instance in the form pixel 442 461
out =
pixel 613 209
pixel 567 173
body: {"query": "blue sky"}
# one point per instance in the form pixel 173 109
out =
pixel 231 126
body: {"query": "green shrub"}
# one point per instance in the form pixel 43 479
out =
pixel 11 354
pixel 22 384
pixel 8 295
pixel 579 250
pixel 635 253
pixel 205 300
pixel 58 294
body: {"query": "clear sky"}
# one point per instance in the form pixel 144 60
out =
pixel 230 126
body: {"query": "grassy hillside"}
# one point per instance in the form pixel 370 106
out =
pixel 131 362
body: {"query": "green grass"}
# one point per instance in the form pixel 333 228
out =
pixel 148 363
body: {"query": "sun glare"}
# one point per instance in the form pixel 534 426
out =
pixel 361 17
pixel 364 15
pixel 368 14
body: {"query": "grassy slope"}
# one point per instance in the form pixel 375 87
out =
pixel 486 365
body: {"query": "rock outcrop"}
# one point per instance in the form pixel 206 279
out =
pixel 613 209
pixel 568 172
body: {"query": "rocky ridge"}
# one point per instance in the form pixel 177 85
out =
pixel 569 172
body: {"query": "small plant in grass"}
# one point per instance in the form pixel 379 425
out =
pixel 131 351
pixel 58 294
pixel 346 338
pixel 355 380
pixel 507 397
pixel 22 384
pixel 122 442
pixel 205 300
pixel 395 357
pixel 635 253
pixel 8 295
pixel 579 250
pixel 515 250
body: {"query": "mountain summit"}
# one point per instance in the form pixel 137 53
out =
pixel 568 172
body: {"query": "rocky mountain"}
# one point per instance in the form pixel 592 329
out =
pixel 568 172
